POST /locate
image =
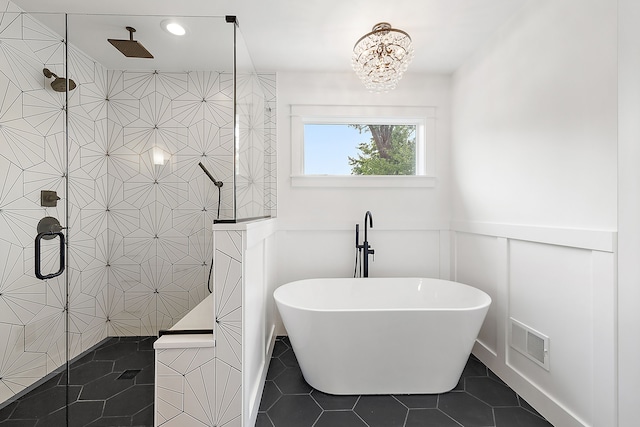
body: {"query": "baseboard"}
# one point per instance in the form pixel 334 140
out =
pixel 546 405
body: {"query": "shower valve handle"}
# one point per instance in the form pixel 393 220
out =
pixel 48 228
pixel 38 269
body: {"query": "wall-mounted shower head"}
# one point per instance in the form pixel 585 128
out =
pixel 59 84
pixel 130 48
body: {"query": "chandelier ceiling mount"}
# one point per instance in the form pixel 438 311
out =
pixel 381 57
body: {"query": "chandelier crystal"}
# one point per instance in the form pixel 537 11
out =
pixel 381 57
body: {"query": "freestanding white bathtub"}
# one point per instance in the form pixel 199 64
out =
pixel 382 335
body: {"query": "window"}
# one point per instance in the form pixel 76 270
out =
pixel 362 146
pixel 360 149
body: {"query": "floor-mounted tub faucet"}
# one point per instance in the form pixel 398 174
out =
pixel 364 247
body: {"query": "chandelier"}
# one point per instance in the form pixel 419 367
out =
pixel 381 56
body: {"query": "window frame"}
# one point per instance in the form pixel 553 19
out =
pixel 424 118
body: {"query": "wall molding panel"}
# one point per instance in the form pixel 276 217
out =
pixel 534 278
pixel 336 225
pixel 597 240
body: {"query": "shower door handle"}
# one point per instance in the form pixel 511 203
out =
pixel 39 237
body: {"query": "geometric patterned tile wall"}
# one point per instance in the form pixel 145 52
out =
pixel 139 232
pixel 185 388
pixel 228 326
pixel 250 176
pixel 268 85
pixel 199 387
pixel 33 157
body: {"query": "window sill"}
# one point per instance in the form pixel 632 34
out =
pixel 380 181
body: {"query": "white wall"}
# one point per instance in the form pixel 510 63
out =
pixel 563 290
pixel 258 322
pixel 538 107
pixel 531 178
pixel 317 236
pixel 533 157
pixel 628 210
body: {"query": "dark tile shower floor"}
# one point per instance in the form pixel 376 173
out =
pixel 480 399
pixel 109 386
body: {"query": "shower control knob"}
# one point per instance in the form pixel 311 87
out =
pixel 49 199
pixel 49 224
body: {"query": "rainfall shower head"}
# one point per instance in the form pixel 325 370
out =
pixel 130 48
pixel 59 84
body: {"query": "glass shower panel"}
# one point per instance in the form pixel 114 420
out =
pixel 252 166
pixel 143 204
pixel 33 158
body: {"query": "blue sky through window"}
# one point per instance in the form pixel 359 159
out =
pixel 327 148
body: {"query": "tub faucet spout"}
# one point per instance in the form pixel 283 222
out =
pixel 367 215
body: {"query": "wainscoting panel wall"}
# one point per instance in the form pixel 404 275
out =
pixel 475 264
pixel 329 251
pixel 561 287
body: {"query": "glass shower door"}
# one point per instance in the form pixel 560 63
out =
pixel 33 218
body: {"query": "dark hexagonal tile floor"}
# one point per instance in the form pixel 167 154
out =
pixel 97 397
pixel 295 410
pixel 479 399
pixel 381 411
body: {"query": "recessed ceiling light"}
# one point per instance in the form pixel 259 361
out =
pixel 174 28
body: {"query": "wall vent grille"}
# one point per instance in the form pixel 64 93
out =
pixel 530 343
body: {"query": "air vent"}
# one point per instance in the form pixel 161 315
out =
pixel 530 343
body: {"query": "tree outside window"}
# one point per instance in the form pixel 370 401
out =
pixel 391 150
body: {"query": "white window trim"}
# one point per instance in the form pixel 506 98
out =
pixel 423 117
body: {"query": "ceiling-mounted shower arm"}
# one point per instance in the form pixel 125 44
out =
pixel 131 48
